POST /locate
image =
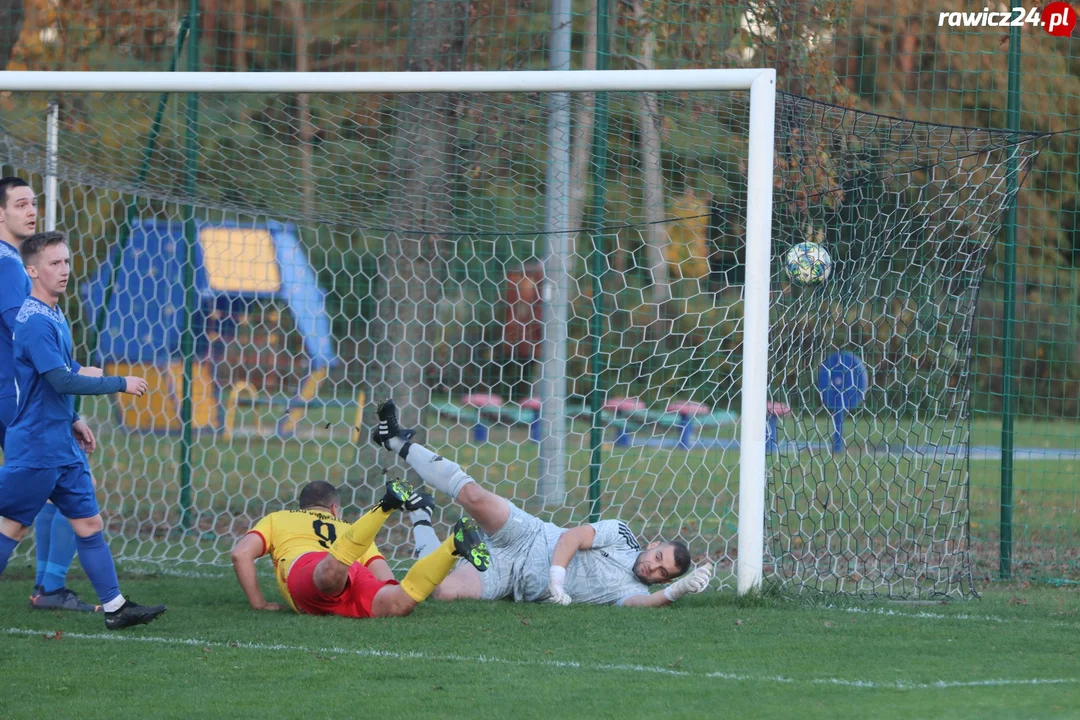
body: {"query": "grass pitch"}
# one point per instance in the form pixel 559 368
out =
pixel 1014 653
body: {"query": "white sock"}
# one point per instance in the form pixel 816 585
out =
pixel 115 604
pixel 434 470
pixel 424 538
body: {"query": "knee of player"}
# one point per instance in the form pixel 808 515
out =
pixel 85 527
pixel 471 492
pixel 404 607
pixel 12 529
pixel 394 602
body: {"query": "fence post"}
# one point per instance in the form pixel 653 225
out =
pixel 596 224
pixel 1008 384
pixel 187 339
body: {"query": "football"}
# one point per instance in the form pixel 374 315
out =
pixel 807 264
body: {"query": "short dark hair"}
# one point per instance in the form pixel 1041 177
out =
pixel 39 241
pixel 682 556
pixel 318 493
pixel 7 184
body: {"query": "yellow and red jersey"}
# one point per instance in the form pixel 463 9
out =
pixel 288 534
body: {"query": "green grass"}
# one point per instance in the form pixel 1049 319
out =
pixel 707 655
pixel 660 492
pixel 712 654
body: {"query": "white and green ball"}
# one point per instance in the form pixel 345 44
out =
pixel 808 264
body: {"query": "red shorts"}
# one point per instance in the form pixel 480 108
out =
pixel 354 601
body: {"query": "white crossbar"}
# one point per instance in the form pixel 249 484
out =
pixel 382 82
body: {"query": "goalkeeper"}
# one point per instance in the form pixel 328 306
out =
pixel 536 561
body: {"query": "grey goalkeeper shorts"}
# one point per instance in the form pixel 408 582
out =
pixel 520 558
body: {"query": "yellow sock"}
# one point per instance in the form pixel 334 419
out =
pixel 355 541
pixel 429 571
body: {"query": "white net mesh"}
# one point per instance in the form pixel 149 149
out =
pixel 868 491
pixel 348 248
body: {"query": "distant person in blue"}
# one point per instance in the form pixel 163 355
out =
pixel 55 538
pixel 46 444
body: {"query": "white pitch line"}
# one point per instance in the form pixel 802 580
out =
pixel 923 615
pixel 186 574
pixel 553 664
pixel 942 684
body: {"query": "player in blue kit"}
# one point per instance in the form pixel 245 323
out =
pixel 46 444
pixel 55 538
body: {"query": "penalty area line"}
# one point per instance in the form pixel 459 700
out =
pixel 547 664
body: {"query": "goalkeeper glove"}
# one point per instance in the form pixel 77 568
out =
pixel 695 582
pixel 556 578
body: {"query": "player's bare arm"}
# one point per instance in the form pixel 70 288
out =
pixel 574 539
pixel 244 554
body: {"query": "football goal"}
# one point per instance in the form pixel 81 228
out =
pixel 574 282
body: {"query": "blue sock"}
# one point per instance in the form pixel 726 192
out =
pixel 7 546
pixel 43 540
pixel 61 554
pixel 97 562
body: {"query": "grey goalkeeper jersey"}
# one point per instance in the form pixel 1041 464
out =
pixel 604 574
pixel 521 556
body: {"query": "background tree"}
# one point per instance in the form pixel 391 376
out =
pixel 412 264
pixel 652 176
pixel 11 18
pixel 303 107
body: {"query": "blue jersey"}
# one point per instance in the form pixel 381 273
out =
pixel 41 436
pixel 14 289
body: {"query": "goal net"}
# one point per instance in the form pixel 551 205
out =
pixel 553 286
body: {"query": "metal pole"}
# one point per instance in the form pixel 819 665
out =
pixel 1008 388
pixel 755 361
pixel 556 286
pixel 52 150
pixel 187 339
pixel 596 223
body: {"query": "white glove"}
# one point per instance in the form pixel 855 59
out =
pixel 693 583
pixel 556 578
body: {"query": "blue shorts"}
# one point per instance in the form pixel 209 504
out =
pixel 24 491
pixel 8 408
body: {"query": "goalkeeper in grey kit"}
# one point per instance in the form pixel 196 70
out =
pixel 536 561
